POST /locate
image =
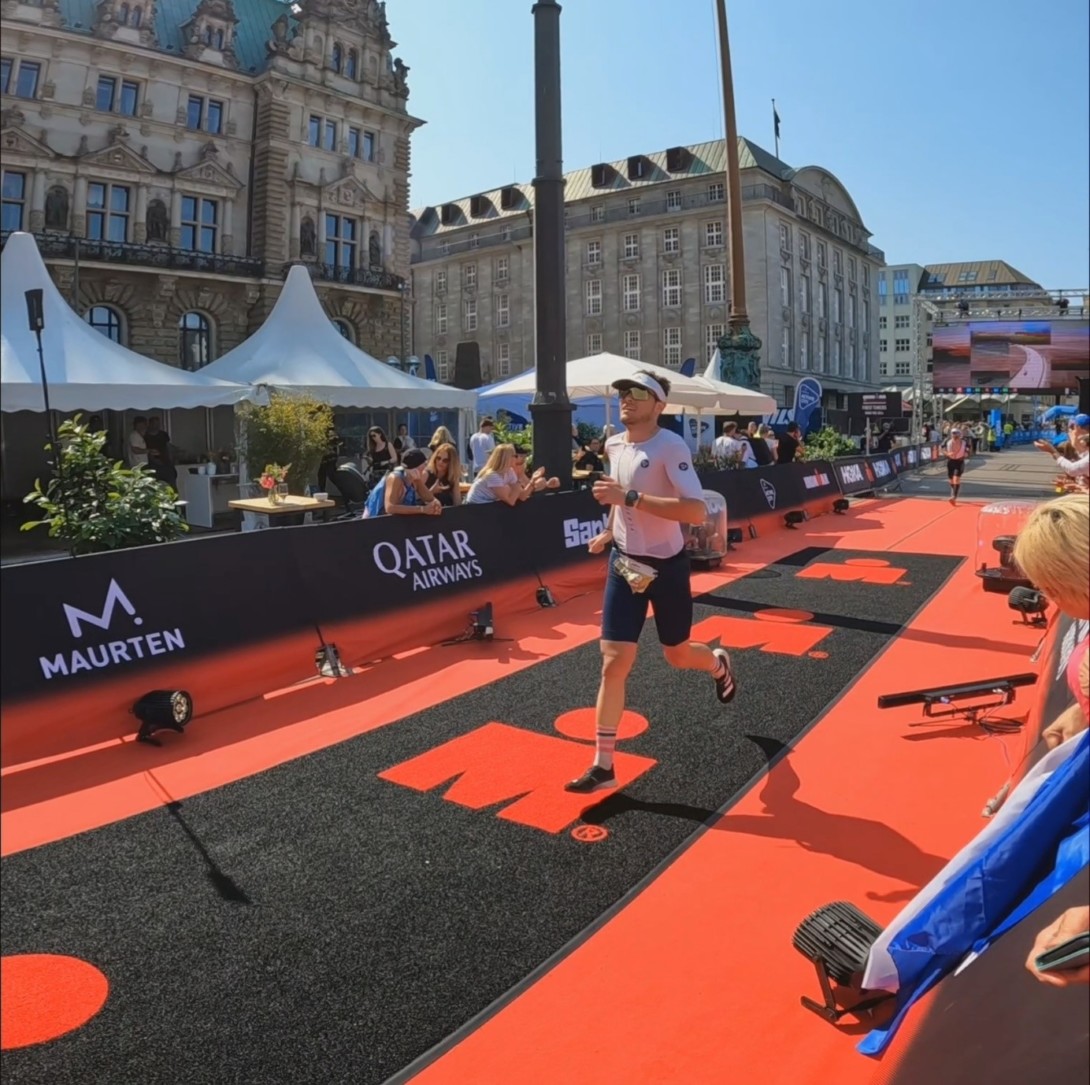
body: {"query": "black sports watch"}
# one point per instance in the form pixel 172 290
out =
pixel 631 498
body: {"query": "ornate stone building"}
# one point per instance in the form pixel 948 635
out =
pixel 174 157
pixel 647 269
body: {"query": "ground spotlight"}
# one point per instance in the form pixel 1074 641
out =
pixel 1030 603
pixel 482 623
pixel 545 597
pixel 841 506
pixel 838 939
pixel 160 710
pixel 793 518
pixel 734 535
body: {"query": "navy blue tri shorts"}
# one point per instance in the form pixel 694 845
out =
pixel 624 611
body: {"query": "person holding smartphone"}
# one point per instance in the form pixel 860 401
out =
pixel 1074 922
pixel 652 491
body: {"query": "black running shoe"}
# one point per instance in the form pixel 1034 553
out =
pixel 725 686
pixel 594 778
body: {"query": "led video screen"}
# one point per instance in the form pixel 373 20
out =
pixel 1015 355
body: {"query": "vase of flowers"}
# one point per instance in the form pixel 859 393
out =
pixel 272 478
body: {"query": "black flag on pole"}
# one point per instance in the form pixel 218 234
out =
pixel 776 119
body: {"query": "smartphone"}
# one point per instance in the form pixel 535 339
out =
pixel 1074 953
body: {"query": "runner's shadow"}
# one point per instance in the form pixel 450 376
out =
pixel 225 886
pixel 860 841
pixel 620 803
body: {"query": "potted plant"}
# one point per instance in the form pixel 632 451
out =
pixel 273 481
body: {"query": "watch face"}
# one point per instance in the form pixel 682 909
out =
pixel 631 498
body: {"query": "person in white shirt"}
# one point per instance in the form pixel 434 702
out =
pixel 136 452
pixel 499 481
pixel 481 445
pixel 729 445
pixel 1079 465
pixel 652 492
pixel 957 452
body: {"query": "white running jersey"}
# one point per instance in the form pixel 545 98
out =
pixel 662 467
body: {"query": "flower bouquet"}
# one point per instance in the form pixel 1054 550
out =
pixel 271 479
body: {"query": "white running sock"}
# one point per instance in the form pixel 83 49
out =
pixel 604 743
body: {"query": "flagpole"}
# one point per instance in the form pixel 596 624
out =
pixel 776 127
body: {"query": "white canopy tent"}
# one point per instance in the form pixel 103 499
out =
pixel 593 376
pixel 85 370
pixel 298 348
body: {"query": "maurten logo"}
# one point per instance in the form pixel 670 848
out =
pixel 770 492
pixel 90 657
pixel 430 560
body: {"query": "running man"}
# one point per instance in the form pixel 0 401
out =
pixel 652 492
pixel 957 452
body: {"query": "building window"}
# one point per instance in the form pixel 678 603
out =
pixel 712 334
pixel 804 246
pixel 503 311
pixel 930 340
pixel 902 369
pixel 598 213
pixel 594 343
pixel 883 287
pixel 594 297
pixel 469 315
pixel 866 277
pixel 901 321
pixel 505 232
pixel 204 114
pixel 902 346
pixel 368 146
pixel 631 246
pixel 503 359
pixel 804 351
pixel 594 253
pixel 851 310
pixel 822 301
pixel 713 235
pixel 883 369
pixel 104 320
pixel 785 346
pixel 785 237
pixel 900 288
pixel 671 239
pixel 442 366
pixel 882 323
pixel 634 205
pixel 341 241
pixel 314 131
pixel 819 354
pixel 671 347
pixel 673 200
pixel 671 288
pixel 785 287
pixel 336 59
pixel 352 64
pixel 117 95
pixel 715 284
pixel 440 282
pixel 469 276
pixel 195 340
pixel 14 200
pixel 108 212
pixel 503 269
pixel 632 345
pixel 329 136
pixel 630 293
pixel 804 293
pixel 474 240
pixel 821 254
pixel 883 346
pixel 715 192
pixel 838 262
pixel 838 305
pixel 851 269
pixel 441 319
pixel 836 356
pixel 355 142
pixel 344 329
pixel 26 78
pixel 866 317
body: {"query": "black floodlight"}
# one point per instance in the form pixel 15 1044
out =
pixel 838 938
pixel 790 519
pixel 545 597
pixel 162 710
pixel 482 623
pixel 734 535
pixel 1030 603
pixel 942 702
pixel 841 506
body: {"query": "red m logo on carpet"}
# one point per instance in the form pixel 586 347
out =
pixel 783 632
pixel 861 572
pixel 498 762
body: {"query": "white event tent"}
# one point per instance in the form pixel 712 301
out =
pixel 299 349
pixel 85 370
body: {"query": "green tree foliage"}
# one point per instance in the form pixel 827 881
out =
pixel 291 429
pixel 828 444
pixel 93 503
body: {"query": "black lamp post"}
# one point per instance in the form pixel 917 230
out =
pixel 551 409
pixel 36 319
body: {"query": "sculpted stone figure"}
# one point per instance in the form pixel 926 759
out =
pixel 56 208
pixel 158 222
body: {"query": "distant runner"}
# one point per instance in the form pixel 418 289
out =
pixel 957 452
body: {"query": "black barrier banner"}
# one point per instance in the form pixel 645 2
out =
pixel 779 488
pixel 71 622
pixel 858 474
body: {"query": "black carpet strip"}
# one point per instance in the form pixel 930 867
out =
pixel 317 923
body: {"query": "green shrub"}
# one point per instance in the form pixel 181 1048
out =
pixel 93 503
pixel 828 444
pixel 291 429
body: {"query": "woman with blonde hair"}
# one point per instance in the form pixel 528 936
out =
pixel 498 480
pixel 442 436
pixel 443 476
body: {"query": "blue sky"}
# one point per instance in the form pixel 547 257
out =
pixel 960 128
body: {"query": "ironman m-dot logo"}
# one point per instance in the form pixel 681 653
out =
pixel 108 653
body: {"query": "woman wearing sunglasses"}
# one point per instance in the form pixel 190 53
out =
pixel 652 491
pixel 444 475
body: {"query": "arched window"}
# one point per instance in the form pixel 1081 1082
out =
pixel 207 35
pixel 105 320
pixel 137 17
pixel 194 340
pixel 219 39
pixel 352 64
pixel 345 329
pixel 123 14
pixel 337 56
